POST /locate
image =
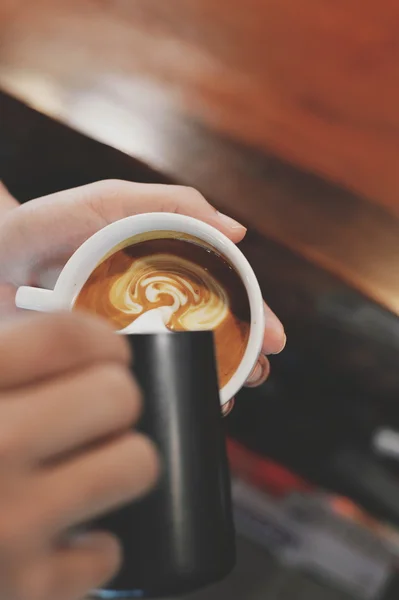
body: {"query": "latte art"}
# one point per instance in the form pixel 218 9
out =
pixel 196 288
pixel 197 301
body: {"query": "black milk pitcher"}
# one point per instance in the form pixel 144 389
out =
pixel 179 537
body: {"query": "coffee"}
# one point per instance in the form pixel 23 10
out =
pixel 200 286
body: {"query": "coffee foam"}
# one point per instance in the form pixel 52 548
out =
pixel 198 288
pixel 196 300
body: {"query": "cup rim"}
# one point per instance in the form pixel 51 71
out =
pixel 89 254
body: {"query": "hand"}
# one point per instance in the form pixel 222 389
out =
pixel 43 233
pixel 67 454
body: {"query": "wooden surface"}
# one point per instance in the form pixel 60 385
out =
pixel 212 92
pixel 316 81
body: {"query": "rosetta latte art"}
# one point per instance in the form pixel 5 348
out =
pixel 196 300
pixel 196 288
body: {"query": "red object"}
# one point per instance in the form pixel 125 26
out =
pixel 262 472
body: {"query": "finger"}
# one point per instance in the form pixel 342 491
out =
pixel 274 339
pixel 7 301
pixel 87 564
pixel 71 341
pixel 49 420
pixel 228 407
pixel 83 563
pixel 260 372
pixel 91 484
pixel 121 199
pixel 7 201
pixel 56 225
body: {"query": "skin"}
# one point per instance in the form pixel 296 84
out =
pixel 43 233
pixel 64 461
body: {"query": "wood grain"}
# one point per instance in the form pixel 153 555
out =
pixel 316 82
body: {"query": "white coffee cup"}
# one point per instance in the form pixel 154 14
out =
pixel 83 262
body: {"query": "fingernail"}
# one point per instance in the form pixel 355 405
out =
pixel 229 222
pixel 82 539
pixel 95 539
pixel 228 407
pixel 260 372
pixel 275 338
pixel 256 374
pixel 283 346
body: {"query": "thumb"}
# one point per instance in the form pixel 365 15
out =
pixel 46 231
pixel 113 200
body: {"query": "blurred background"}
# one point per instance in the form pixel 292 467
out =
pixel 285 115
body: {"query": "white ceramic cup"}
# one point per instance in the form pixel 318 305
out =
pixel 82 263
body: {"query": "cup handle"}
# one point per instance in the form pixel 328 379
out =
pixel 31 298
